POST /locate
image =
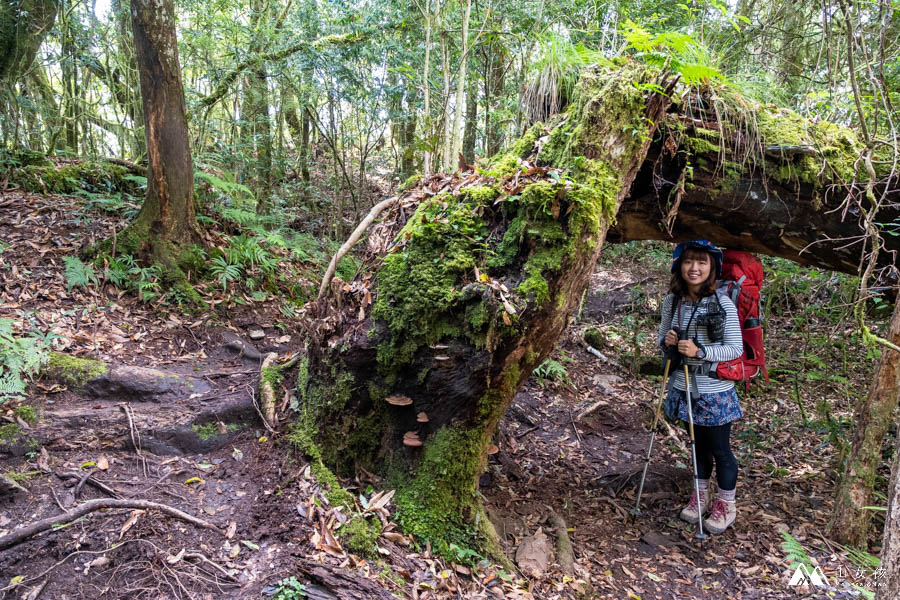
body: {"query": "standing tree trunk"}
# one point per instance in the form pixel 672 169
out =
pixel 466 8
pixel 257 128
pixel 469 299
pixel 889 582
pixel 469 133
pixel 872 416
pixel 166 227
pixel 426 88
pixel 130 97
pixel 494 81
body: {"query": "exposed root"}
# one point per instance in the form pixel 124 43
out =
pixel 565 556
pixel 23 533
pixel 267 390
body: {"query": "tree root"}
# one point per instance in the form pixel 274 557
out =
pixel 565 556
pixel 267 390
pixel 23 533
pixel 354 237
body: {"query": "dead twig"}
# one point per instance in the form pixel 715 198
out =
pixel 23 533
pixel 81 482
pixel 92 482
pixel 202 557
pixel 135 435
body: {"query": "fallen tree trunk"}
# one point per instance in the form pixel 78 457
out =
pixel 467 284
pixel 792 194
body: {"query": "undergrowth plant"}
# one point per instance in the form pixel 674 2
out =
pixel 78 274
pixel 21 357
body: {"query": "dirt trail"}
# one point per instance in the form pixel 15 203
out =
pixel 207 453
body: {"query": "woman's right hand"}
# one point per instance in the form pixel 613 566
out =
pixel 671 338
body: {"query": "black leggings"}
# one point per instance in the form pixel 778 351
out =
pixel 714 443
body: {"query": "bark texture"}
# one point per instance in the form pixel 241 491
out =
pixel 167 222
pixel 872 416
pixel 889 587
pixel 786 196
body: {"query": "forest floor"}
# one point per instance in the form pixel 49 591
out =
pixel 207 454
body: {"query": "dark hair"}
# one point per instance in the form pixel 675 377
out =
pixel 678 286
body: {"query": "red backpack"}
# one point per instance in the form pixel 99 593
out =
pixel 742 278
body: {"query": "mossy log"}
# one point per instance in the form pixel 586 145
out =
pixel 469 281
pixel 783 186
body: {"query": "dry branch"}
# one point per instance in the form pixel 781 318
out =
pixel 267 390
pixel 23 533
pixel 354 237
pixel 565 556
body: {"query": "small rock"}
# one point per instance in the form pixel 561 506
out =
pixel 533 554
pixel 257 334
pixel 605 383
pixel 657 539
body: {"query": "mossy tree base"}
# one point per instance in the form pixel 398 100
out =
pixel 472 280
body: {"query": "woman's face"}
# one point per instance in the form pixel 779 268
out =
pixel 695 268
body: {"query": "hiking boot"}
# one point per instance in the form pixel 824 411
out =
pixel 722 516
pixel 689 512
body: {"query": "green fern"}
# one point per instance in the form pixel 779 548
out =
pixel 551 370
pixel 224 271
pixel 795 552
pixel 862 559
pixel 78 273
pixel 684 54
pixel 20 358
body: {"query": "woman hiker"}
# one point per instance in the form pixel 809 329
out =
pixel 713 335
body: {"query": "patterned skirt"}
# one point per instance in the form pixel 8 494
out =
pixel 710 410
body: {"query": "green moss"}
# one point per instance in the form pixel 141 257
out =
pixel 410 183
pixel 27 413
pixel 417 285
pixel 9 432
pixel 206 431
pixel 701 146
pixel 361 535
pixel 441 503
pixel 272 375
pixel 504 165
pixel 74 372
pixel 595 338
pixel 508 163
pixel 302 438
pixel 479 195
pixel 75 177
pixel 303 377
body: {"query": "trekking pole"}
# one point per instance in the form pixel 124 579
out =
pixel 637 502
pixel 687 391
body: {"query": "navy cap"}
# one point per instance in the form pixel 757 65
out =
pixel 705 246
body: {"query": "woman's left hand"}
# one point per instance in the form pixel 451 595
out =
pixel 688 348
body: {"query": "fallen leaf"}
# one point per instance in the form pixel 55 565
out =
pixel 129 523
pixel 102 463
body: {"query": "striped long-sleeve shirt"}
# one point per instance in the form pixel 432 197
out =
pixel 731 347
